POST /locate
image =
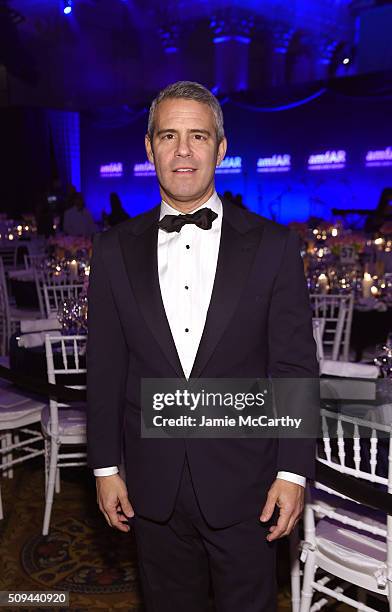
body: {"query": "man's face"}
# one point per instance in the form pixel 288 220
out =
pixel 185 152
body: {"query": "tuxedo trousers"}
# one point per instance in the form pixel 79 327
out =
pixel 179 559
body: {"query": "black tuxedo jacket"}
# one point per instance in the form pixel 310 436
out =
pixel 258 324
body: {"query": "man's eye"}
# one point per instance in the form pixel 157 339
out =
pixel 200 137
pixel 167 136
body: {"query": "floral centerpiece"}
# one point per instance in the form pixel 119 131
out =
pixel 71 245
pixel 355 240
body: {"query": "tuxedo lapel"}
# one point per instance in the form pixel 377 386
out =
pixel 139 249
pixel 238 245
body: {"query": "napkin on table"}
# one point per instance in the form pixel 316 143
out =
pixel 36 325
pixel 36 339
pixel 347 369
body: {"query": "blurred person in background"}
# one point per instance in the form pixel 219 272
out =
pixel 117 213
pixel 78 220
pixel 382 214
pixel 67 202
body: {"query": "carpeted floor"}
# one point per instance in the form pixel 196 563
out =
pixel 96 564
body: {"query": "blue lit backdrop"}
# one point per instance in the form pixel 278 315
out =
pixel 332 131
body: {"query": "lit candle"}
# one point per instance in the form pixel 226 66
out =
pixel 379 242
pixel 374 290
pixel 323 283
pixel 73 269
pixel 367 283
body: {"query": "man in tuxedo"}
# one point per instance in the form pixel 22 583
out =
pixel 196 287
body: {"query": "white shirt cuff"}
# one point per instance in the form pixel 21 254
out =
pixel 296 478
pixel 106 471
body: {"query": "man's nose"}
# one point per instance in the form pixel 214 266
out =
pixel 183 148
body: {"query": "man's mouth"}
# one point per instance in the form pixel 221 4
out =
pixel 183 170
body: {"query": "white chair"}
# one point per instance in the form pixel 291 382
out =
pixel 19 442
pixel 342 368
pixel 318 332
pixel 62 424
pixel 9 254
pixel 33 260
pixel 342 537
pixel 337 312
pixel 55 294
pixel 4 314
pixel 10 316
pixel 46 277
pixel 294 538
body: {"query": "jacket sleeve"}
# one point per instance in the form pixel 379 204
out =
pixel 293 364
pixel 107 364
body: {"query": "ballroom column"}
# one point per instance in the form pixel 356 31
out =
pixel 231 37
pixel 65 131
pixel 325 50
pixel 170 39
pixel 281 39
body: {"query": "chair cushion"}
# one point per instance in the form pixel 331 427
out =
pixel 72 421
pixel 12 399
pixel 12 409
pixel 353 548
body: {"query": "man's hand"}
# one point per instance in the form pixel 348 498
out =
pixel 113 502
pixel 289 497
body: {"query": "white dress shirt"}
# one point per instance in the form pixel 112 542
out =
pixel 187 263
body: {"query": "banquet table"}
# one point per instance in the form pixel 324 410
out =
pixel 32 361
pixel 370 400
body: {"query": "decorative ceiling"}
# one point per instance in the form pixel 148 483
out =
pixel 108 52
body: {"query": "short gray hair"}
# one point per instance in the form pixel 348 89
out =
pixel 188 90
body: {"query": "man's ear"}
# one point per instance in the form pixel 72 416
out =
pixel 222 148
pixel 148 145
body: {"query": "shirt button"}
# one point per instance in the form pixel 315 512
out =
pixel 187 329
pixel 187 246
pixel 186 287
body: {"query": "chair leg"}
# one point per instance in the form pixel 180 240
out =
pixel 5 456
pixel 54 450
pixel 307 590
pixel 295 571
pixel 2 446
pixel 13 440
pixel 2 342
pixel 1 506
pixel 10 471
pixel 57 488
pixel 47 462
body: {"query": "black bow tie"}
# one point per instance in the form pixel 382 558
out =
pixel 203 218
